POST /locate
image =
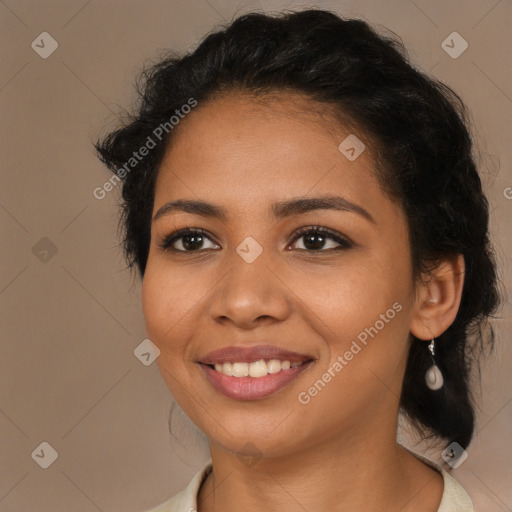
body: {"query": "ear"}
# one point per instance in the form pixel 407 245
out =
pixel 438 297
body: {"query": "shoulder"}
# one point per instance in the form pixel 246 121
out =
pixel 455 498
pixel 186 500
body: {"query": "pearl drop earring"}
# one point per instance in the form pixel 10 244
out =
pixel 433 376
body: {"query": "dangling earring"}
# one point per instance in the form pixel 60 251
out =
pixel 433 377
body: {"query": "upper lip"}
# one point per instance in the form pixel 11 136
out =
pixel 252 354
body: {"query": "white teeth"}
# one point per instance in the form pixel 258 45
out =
pixel 257 369
pixel 240 369
pixel 274 366
pixel 227 369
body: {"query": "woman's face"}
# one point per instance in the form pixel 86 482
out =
pixel 341 301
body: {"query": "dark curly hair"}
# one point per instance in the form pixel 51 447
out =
pixel 420 139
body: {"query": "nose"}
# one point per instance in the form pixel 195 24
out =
pixel 251 294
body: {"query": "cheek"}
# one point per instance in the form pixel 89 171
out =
pixel 173 304
pixel 166 299
pixel 363 316
pixel 157 305
pixel 350 296
pixel 361 309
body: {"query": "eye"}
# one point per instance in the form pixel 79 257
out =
pixel 312 238
pixel 186 240
pixel 317 238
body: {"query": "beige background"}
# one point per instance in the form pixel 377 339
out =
pixel 71 320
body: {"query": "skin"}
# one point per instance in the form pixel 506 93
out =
pixel 339 451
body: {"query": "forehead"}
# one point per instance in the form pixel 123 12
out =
pixel 262 116
pixel 281 145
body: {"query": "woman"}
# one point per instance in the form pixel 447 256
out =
pixel 304 210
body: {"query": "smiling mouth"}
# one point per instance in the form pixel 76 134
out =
pixel 267 379
pixel 253 372
pixel 256 369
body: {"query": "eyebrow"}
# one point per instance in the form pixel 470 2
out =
pixel 280 209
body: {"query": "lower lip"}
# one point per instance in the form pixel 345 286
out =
pixel 252 388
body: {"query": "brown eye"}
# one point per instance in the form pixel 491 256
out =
pixel 320 239
pixel 187 240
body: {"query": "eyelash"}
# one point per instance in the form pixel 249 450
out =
pixel 345 243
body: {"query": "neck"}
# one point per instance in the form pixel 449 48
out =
pixel 361 470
